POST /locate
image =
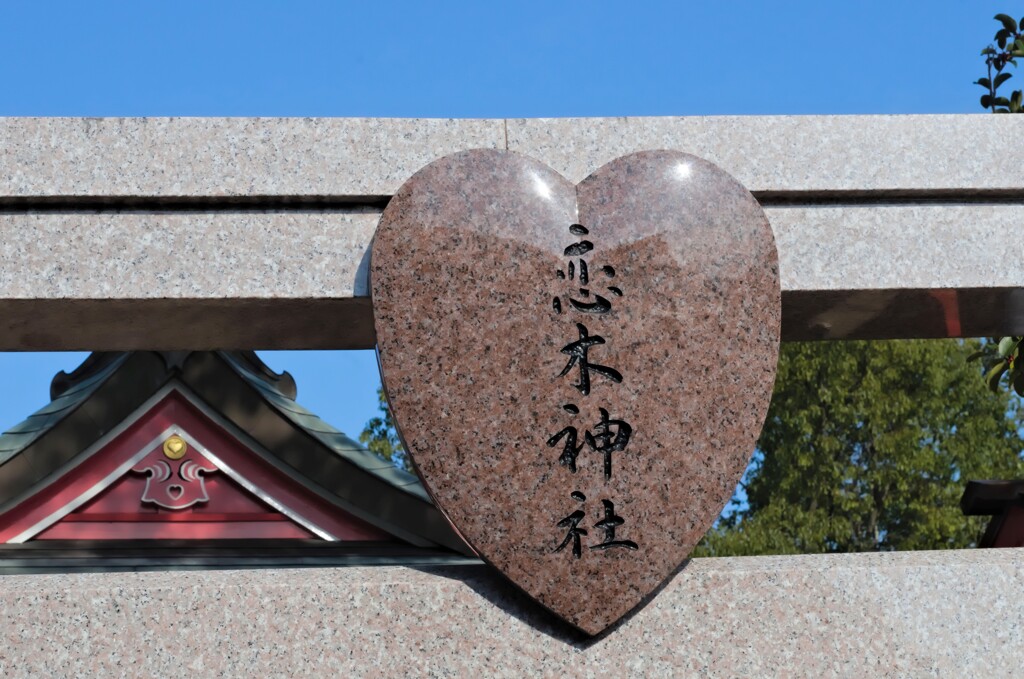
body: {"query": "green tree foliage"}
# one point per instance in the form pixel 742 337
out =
pixel 381 438
pixel 868 446
pixel 1007 48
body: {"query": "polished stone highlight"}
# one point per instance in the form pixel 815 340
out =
pixel 580 373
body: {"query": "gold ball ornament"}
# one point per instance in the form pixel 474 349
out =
pixel 175 447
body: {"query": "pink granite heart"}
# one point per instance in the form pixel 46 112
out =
pixel 579 373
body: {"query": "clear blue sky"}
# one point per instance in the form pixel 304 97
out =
pixel 479 59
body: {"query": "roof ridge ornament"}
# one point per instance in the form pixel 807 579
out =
pixel 174 361
pixel 93 364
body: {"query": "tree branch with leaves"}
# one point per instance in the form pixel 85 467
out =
pixel 1000 356
pixel 1007 47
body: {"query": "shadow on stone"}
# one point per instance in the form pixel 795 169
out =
pixel 611 629
pixel 490 584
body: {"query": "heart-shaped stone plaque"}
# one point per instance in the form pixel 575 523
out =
pixel 579 373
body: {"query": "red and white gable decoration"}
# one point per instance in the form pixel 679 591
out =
pixel 174 473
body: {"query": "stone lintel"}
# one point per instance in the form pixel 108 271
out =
pixel 371 157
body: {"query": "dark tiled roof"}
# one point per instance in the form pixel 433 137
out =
pixel 22 435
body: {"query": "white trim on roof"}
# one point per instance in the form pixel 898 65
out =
pixel 123 468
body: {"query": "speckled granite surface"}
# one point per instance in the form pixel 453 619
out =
pixel 246 254
pixel 172 157
pixel 257 254
pixel 898 246
pixel 373 156
pixel 792 153
pixel 579 373
pixel 947 614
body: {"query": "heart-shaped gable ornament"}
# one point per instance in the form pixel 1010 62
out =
pixel 579 373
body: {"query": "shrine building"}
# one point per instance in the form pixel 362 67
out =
pixel 201 459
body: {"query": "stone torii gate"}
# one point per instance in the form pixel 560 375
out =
pixel 200 233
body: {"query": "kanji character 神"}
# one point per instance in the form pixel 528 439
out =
pixel 607 436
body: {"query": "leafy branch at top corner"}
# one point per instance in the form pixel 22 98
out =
pixel 1002 356
pixel 1007 48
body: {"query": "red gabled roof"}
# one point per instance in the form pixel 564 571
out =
pixel 206 484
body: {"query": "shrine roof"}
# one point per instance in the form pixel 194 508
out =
pixel 103 393
pixel 330 436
